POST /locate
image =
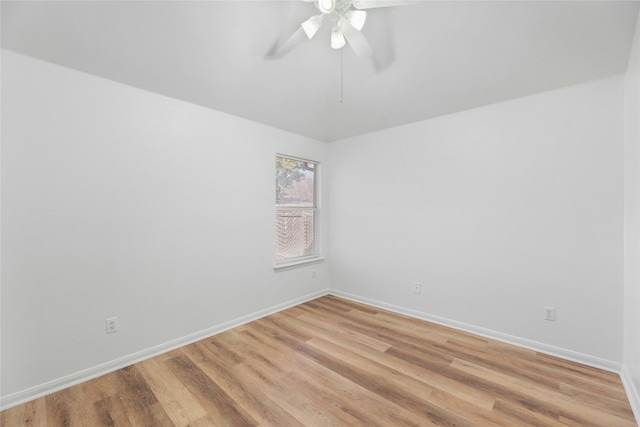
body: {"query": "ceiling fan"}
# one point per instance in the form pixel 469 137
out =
pixel 348 18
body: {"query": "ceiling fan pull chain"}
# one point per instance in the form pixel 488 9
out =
pixel 341 77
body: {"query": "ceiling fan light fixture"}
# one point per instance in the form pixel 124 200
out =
pixel 337 38
pixel 312 25
pixel 356 18
pixel 348 23
pixel 326 6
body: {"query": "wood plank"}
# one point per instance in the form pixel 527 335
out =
pixel 353 398
pixel 180 405
pixel 567 408
pixel 434 405
pixel 242 390
pixel 378 353
pixel 521 415
pixel 137 398
pixel 111 412
pixel 220 406
pixel 32 414
pixel 58 409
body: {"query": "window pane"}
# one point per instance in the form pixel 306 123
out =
pixel 295 182
pixel 294 233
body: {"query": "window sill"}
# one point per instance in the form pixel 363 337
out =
pixel 297 263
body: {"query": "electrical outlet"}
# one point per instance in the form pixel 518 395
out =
pixel 417 287
pixel 112 325
pixel 550 313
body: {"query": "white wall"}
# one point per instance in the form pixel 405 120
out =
pixel 631 355
pixel 120 202
pixel 498 211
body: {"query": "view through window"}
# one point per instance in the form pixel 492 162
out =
pixel 295 208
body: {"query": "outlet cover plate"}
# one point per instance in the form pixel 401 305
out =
pixel 112 325
pixel 550 314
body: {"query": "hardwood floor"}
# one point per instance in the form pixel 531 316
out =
pixel 332 362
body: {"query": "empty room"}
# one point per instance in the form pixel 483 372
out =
pixel 312 213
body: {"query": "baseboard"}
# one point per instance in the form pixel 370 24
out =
pixel 563 353
pixel 35 392
pixel 632 392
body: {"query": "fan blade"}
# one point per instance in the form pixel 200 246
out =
pixel 357 41
pixel 312 25
pixel 356 18
pixel 372 4
pixel 297 37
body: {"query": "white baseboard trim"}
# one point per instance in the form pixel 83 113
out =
pixel 632 392
pixel 44 389
pixel 35 392
pixel 563 353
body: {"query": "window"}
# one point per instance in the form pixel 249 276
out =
pixel 296 204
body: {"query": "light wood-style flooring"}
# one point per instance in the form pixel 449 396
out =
pixel 333 362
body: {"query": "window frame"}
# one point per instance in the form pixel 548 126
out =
pixel 316 256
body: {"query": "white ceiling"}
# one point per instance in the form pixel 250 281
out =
pixel 432 57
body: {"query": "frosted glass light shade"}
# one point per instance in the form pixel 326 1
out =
pixel 326 6
pixel 337 38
